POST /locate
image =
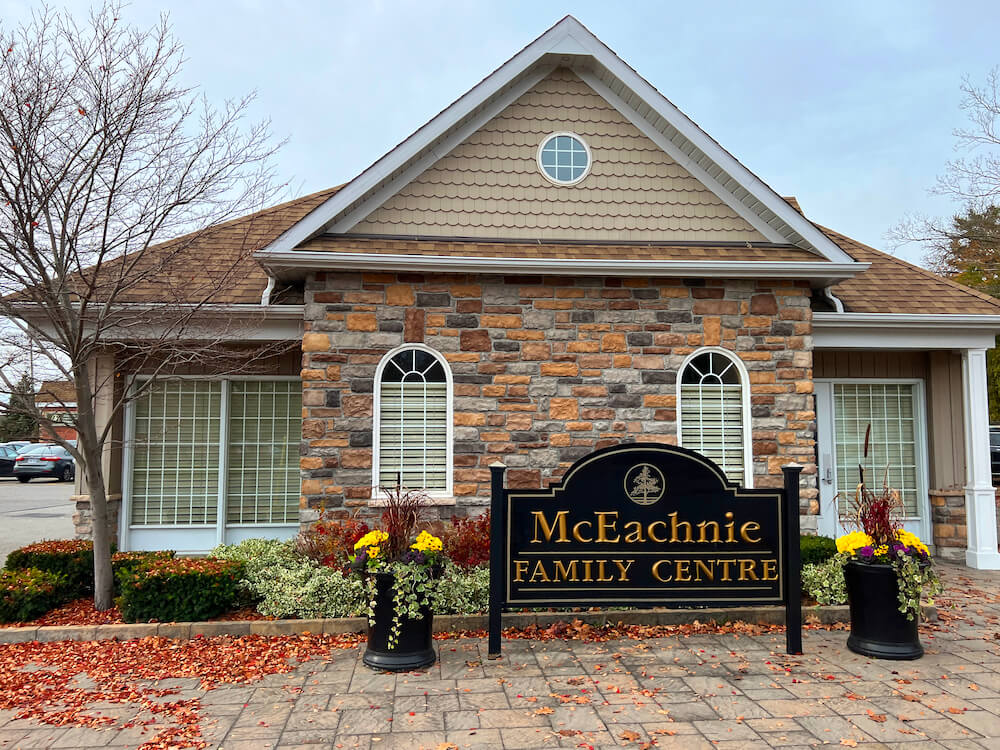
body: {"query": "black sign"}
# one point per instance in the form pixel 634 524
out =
pixel 643 524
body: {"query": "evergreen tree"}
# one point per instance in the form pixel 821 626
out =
pixel 18 420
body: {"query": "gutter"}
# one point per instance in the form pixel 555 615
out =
pixel 824 272
pixel 833 321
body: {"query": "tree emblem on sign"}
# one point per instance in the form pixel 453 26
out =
pixel 644 484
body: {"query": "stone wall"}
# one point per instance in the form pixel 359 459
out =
pixel 546 370
pixel 83 521
pixel 951 533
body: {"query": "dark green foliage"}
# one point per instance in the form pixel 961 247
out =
pixel 27 594
pixel 129 561
pixel 816 549
pixel 72 559
pixel 18 421
pixel 178 590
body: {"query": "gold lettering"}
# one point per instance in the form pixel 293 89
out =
pixel 770 570
pixel 601 576
pixel 586 571
pixel 603 525
pixel 652 531
pixel 623 569
pixel 539 572
pixel 547 530
pixel 576 531
pixel 683 570
pixel 703 527
pixel 635 535
pixel 729 527
pixel 702 567
pixel 656 572
pixel 675 524
pixel 746 571
pixel 725 569
pixel 748 527
pixel 520 568
pixel 565 572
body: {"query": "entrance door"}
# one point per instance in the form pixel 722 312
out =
pixel 897 453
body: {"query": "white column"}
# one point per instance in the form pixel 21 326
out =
pixel 980 497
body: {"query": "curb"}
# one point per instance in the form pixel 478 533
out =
pixel 442 623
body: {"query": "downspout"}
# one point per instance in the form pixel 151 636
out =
pixel 265 298
pixel 827 292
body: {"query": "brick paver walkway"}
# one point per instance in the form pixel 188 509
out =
pixel 706 691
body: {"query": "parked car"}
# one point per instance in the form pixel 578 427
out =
pixel 52 461
pixel 995 452
pixel 7 455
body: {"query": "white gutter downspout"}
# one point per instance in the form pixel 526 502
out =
pixel 835 301
pixel 265 298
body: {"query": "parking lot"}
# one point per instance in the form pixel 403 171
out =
pixel 37 510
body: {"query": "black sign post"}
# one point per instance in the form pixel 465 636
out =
pixel 645 524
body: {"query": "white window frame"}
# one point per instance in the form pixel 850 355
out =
pixel 745 403
pixel 586 147
pixel 449 490
pixel 920 524
pixel 125 526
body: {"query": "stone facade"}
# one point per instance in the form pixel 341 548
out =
pixel 546 370
pixel 83 519
pixel 950 532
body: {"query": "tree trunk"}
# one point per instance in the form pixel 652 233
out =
pixel 90 447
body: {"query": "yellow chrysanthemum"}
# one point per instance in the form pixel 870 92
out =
pixel 911 540
pixel 375 538
pixel 374 551
pixel 853 541
pixel 426 542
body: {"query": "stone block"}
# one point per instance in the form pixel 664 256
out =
pixel 342 625
pixel 213 629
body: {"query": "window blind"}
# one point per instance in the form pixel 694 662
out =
pixel 262 475
pixel 712 424
pixel 177 448
pixel 175 469
pixel 892 451
pixel 413 434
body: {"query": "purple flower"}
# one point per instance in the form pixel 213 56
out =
pixel 866 552
pixel 415 556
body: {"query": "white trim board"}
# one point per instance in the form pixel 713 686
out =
pixel 896 331
pixel 567 43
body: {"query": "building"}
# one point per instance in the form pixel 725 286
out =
pixel 559 261
pixel 56 401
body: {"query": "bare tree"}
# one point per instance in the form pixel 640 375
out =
pixel 972 179
pixel 103 156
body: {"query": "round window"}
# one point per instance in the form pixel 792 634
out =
pixel 564 158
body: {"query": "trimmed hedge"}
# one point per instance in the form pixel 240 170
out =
pixel 27 594
pixel 72 559
pixel 816 549
pixel 178 590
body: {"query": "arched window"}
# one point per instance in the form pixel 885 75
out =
pixel 412 429
pixel 714 411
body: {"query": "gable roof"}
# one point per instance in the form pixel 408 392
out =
pixel 568 44
pixel 56 392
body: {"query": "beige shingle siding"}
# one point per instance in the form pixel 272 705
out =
pixel 490 185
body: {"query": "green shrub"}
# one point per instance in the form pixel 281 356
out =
pixel 824 581
pixel 72 559
pixel 183 589
pixel 27 594
pixel 305 589
pixel 260 559
pixel 462 591
pixel 816 549
pixel 130 560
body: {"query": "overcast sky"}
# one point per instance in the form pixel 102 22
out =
pixel 847 105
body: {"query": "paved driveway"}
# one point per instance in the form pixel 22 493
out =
pixel 37 510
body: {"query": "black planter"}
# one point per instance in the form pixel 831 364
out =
pixel 878 628
pixel 415 648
